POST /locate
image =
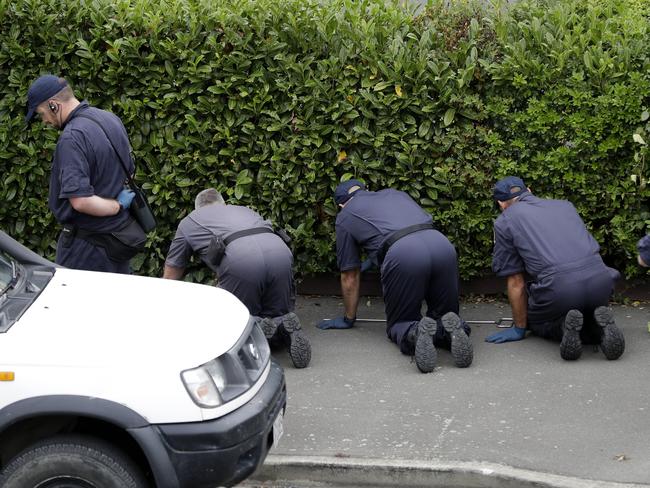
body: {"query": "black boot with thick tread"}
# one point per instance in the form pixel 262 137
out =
pixel 299 345
pixel 571 345
pixel 613 342
pixel 269 327
pixel 461 346
pixel 425 351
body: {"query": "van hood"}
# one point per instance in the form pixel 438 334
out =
pixel 125 319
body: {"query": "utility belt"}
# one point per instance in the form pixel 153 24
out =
pixel 120 245
pixel 217 247
pixel 397 235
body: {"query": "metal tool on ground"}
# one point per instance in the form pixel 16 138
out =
pixel 370 320
pixel 502 323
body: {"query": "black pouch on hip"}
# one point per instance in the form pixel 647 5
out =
pixel 215 251
pixel 126 242
pixel 120 245
pixel 141 211
pixel 286 238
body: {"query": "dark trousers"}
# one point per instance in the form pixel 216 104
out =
pixel 259 272
pixel 551 298
pixel 77 253
pixel 419 267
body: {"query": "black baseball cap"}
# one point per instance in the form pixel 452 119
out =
pixel 508 188
pixel 346 190
pixel 44 88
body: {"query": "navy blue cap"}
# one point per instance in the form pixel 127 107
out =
pixel 41 90
pixel 508 187
pixel 346 189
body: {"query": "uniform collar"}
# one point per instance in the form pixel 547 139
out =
pixel 79 108
pixel 524 197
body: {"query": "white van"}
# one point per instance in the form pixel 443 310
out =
pixel 115 381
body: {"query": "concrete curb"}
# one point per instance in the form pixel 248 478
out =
pixel 406 474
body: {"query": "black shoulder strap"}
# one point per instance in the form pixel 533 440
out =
pixel 119 156
pixel 247 232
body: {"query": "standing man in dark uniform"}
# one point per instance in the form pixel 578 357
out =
pixel 87 193
pixel 417 263
pixel 253 263
pixel 566 299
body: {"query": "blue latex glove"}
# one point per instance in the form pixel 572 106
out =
pixel 337 323
pixel 125 198
pixel 509 335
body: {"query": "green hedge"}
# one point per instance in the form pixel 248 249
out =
pixel 274 102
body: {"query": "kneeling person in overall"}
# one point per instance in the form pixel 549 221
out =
pixel 643 246
pixel 567 298
pixel 416 262
pixel 256 266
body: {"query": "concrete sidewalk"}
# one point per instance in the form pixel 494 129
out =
pixel 519 416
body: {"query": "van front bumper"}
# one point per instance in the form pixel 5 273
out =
pixel 219 452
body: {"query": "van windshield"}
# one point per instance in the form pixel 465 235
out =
pixel 7 272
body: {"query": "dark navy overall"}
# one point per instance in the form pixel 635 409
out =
pixel 257 269
pixel 421 266
pixel 548 241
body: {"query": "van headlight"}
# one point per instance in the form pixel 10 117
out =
pixel 201 387
pixel 231 374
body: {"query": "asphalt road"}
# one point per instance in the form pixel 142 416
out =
pixel 518 407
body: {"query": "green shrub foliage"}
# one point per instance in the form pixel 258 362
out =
pixel 275 102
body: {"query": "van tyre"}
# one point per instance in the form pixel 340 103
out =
pixel 72 461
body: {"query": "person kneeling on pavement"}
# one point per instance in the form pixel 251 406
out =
pixel 417 263
pixel 568 296
pixel 643 247
pixel 250 260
